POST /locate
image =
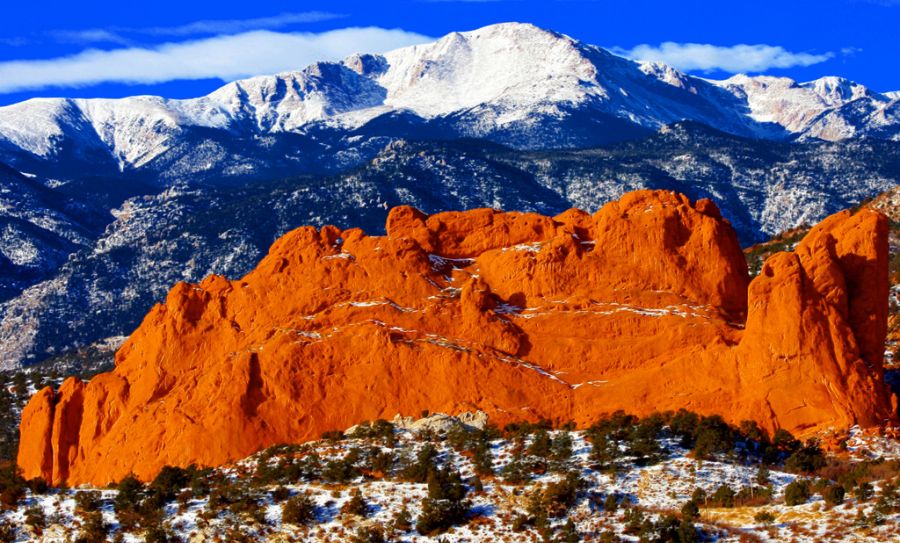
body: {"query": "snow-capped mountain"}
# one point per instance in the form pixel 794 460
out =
pixel 511 83
pixel 830 108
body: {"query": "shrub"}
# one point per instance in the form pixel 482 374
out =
pixel 483 459
pixel 380 429
pixel 299 510
pixel 280 494
pixel 417 471
pixel 888 499
pixel 87 501
pixel 699 496
pixel 642 440
pixel 356 505
pixel 340 470
pixel 37 485
pixel 690 511
pixel 10 496
pixel 751 431
pixel 402 520
pixel 834 495
pixel 604 451
pixel 519 523
pixel 608 536
pixel 128 495
pixel 333 435
pixel 151 507
pixel 806 459
pixel 784 441
pixel 157 533
pixel 753 495
pixel 380 461
pixel 723 497
pixel 634 519
pixel 607 433
pixel 458 437
pixel 764 517
pixel 368 534
pixel 713 436
pixel 446 504
pixel 7 532
pixel 540 444
pixel 568 533
pixel 796 493
pixel 684 425
pixel 169 481
pixel 34 517
pixel 517 471
pixel 93 529
pixel 669 528
pixel 12 486
pixel 559 496
pixel 863 492
pixel 611 503
pixel 438 515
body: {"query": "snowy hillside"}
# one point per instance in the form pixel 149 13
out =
pixel 189 231
pixel 669 478
pixel 506 82
pixel 830 108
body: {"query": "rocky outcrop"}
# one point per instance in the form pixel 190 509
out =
pixel 644 306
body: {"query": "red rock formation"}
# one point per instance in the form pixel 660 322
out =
pixel 637 307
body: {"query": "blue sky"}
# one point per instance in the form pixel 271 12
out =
pixel 187 48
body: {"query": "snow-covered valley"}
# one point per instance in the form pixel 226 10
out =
pixel 669 478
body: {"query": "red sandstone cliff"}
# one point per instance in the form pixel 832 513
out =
pixel 638 307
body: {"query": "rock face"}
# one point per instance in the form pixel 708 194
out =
pixel 638 307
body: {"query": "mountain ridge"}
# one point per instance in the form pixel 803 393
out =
pixel 493 83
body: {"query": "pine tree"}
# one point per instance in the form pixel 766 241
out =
pixel 299 510
pixel 356 505
pixel 446 503
pixel 540 444
pixel 568 534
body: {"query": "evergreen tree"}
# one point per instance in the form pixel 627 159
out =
pixel 299 510
pixel 446 503
pixel 568 534
pixel 483 459
pixel 690 511
pixel 356 505
pixel 540 444
pixel 796 493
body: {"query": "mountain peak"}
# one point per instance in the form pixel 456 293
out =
pixel 514 83
pixel 837 90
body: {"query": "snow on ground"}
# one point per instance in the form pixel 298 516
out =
pixel 654 489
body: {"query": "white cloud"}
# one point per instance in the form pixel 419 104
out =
pixel 222 57
pixel 91 35
pixel 232 26
pixel 118 34
pixel 734 59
